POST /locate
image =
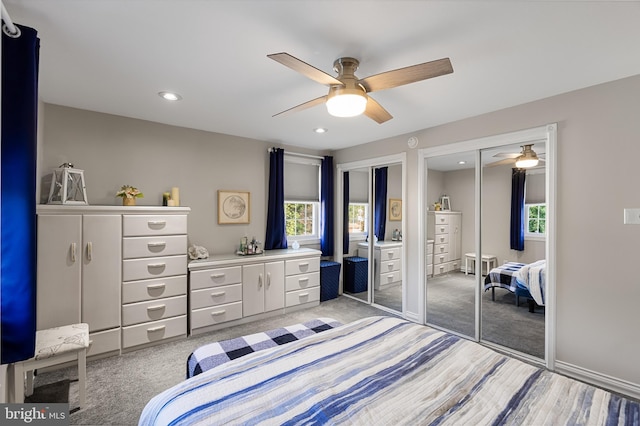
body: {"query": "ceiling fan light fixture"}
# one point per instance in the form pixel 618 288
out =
pixel 346 102
pixel 528 158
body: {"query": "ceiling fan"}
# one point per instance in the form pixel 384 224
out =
pixel 347 95
pixel 523 159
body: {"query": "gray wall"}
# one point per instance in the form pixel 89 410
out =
pixel 114 151
pixel 597 289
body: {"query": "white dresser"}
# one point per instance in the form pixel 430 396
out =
pixel 154 278
pixel 226 290
pixel 444 228
pixel 387 262
pixel 429 258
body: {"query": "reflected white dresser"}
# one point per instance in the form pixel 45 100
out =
pixel 387 262
pixel 444 228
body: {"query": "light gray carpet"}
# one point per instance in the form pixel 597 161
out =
pixel 451 305
pixel 119 387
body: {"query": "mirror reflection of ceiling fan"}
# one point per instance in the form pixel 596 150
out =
pixel 522 160
pixel 347 95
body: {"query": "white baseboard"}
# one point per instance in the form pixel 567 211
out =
pixel 598 379
pixel 412 316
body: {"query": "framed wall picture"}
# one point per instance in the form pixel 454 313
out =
pixel 395 209
pixel 445 203
pixel 233 207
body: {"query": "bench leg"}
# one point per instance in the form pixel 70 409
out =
pixel 29 382
pixel 18 383
pixel 82 376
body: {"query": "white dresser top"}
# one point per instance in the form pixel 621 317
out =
pixel 266 256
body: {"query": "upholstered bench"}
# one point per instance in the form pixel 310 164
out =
pixel 53 346
pixel 213 354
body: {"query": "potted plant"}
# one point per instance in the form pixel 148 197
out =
pixel 129 194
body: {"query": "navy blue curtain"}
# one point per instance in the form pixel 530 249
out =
pixel 345 213
pixel 20 57
pixel 326 206
pixel 380 208
pixel 517 209
pixel 276 237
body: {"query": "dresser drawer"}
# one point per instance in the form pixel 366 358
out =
pixel 439 259
pixel 440 249
pixel 154 331
pixel 216 315
pixel 141 225
pixel 299 297
pixel 430 247
pixel 215 277
pixel 302 281
pixel 429 269
pixel 442 219
pixel 390 253
pixel 104 341
pixel 390 266
pixel 213 296
pixel 166 245
pixel 153 310
pixel 302 266
pixel 137 291
pixel 390 277
pixel 441 239
pixel 440 269
pixel 441 229
pixel 153 267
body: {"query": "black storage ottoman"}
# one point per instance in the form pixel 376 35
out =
pixel 329 279
pixel 355 274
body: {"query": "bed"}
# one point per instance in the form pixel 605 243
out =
pixel 522 279
pixel 384 371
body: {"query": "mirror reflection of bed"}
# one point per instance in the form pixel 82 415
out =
pixel 451 294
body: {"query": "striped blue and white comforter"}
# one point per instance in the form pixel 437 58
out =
pixel 384 371
pixel 533 278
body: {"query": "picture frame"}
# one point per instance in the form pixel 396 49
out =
pixel 234 207
pixel 395 209
pixel 445 203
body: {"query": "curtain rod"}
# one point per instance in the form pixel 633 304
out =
pixel 297 154
pixel 9 28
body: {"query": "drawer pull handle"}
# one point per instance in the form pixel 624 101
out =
pixel 156 265
pixel 303 279
pixel 158 244
pixel 217 275
pixel 159 328
pixel 222 312
pixel 156 307
pixel 218 294
pixel 304 264
pixel 303 295
pixel 157 222
pixel 156 286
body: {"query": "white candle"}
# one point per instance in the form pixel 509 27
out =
pixel 171 203
pixel 175 196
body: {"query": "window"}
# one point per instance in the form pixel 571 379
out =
pixel 300 218
pixel 358 217
pixel 536 219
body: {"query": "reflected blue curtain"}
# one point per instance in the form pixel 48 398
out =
pixel 345 213
pixel 326 206
pixel 20 57
pixel 517 209
pixel 380 208
pixel 276 237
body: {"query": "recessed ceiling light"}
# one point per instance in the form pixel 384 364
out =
pixel 320 130
pixel 462 162
pixel 169 96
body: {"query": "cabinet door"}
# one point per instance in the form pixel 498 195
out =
pixel 101 271
pixel 252 289
pixel 58 278
pixel 455 228
pixel 274 286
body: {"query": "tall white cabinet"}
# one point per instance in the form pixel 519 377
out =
pixel 444 228
pixel 80 270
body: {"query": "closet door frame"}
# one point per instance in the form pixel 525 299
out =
pixel 548 133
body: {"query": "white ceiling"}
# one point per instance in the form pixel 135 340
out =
pixel 113 56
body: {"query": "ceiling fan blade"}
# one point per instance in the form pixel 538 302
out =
pixel 411 74
pixel 303 106
pixel 305 69
pixel 508 154
pixel 376 112
pixel 501 162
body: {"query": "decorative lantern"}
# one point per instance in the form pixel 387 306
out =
pixel 67 186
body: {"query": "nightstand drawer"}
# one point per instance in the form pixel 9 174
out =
pixel 214 296
pixel 153 267
pixel 302 266
pixel 166 245
pixel 153 310
pixel 154 331
pixel 137 291
pixel 302 281
pixel 141 225
pixel 216 315
pixel 215 277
